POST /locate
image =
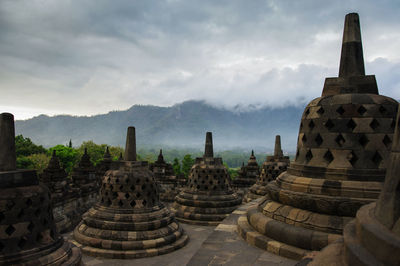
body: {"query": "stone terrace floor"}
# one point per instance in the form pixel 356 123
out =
pixel 208 245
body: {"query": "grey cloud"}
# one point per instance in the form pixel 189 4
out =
pixel 92 56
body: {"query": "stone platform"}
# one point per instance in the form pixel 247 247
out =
pixel 208 245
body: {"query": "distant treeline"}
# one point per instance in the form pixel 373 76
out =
pixel 32 156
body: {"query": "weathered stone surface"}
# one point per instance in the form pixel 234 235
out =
pixel 247 176
pixel 28 234
pixel 373 237
pixel 84 181
pixel 342 154
pixel 129 221
pixel 64 197
pixel 208 197
pixel 169 185
pixel 272 167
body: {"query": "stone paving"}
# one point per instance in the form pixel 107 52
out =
pixel 208 245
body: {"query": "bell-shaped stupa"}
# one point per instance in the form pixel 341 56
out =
pixel 273 166
pixel 343 151
pixel 129 221
pixel 248 174
pixel 373 237
pixel 64 198
pixel 208 197
pixel 28 234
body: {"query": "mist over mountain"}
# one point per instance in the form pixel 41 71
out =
pixel 181 126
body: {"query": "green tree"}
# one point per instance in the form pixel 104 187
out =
pixel 96 151
pixel 25 146
pixel 68 156
pixel 176 166
pixel 40 161
pixel 23 162
pixel 187 164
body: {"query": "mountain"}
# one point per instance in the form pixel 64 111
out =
pixel 181 125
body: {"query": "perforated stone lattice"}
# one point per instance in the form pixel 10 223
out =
pixel 208 178
pixel 26 221
pixel 341 132
pixel 133 189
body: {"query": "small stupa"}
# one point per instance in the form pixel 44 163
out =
pixel 129 221
pixel 168 184
pixel 28 234
pixel 272 167
pixel 208 197
pixel 63 197
pixel 343 151
pixel 248 174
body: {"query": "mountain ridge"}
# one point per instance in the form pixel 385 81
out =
pixel 180 125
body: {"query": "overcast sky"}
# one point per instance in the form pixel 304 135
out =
pixel 86 57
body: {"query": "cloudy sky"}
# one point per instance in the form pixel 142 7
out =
pixel 85 57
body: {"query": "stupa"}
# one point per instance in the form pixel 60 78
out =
pixel 63 197
pixel 129 221
pixel 373 237
pixel 272 167
pixel 28 234
pixel 208 197
pixel 248 174
pixel 103 166
pixel 84 180
pixel 168 184
pixel 343 151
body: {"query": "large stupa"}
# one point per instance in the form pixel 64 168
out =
pixel 129 221
pixel 343 151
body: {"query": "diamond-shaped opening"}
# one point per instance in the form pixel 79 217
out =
pixel 143 186
pixel 352 157
pixel 386 140
pixel 328 156
pixel 127 195
pixel 120 203
pixel 340 140
pixel 2 216
pixel 321 110
pixel 329 124
pixel 133 203
pixel 318 139
pixel 111 187
pixel 138 195
pixel 351 124
pixel 109 202
pixel 297 153
pixel 45 222
pixel 137 180
pixel 41 199
pixel 115 194
pixel 311 125
pixel 10 230
pixel 304 138
pixel 363 140
pixel 1 246
pixel 132 188
pixel 340 110
pixel 117 180
pixel 382 109
pixel 377 158
pixel 30 227
pixel 144 202
pixel 361 110
pixel 374 124
pixel 301 125
pixel 309 155
pixel 37 212
pixel 307 111
pixel 126 180
pixel 21 243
